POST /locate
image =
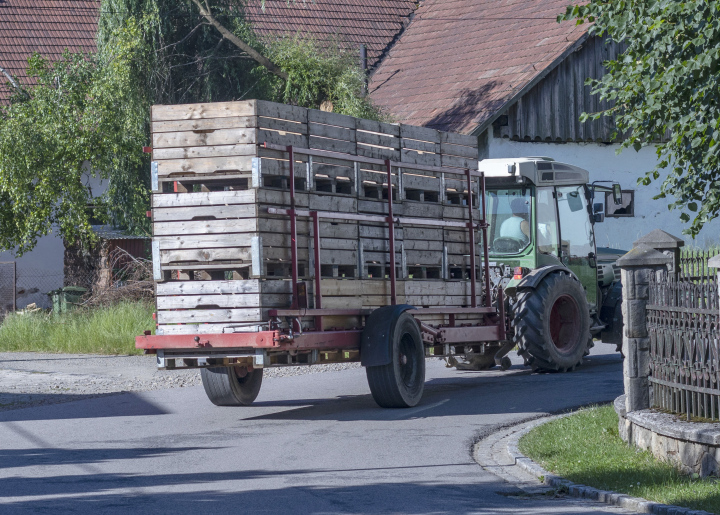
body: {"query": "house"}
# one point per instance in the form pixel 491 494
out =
pixel 508 73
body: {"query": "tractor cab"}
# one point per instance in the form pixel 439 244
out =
pixel 540 215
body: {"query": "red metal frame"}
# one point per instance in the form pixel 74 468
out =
pixel 493 325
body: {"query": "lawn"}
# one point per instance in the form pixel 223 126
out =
pixel 102 330
pixel 586 448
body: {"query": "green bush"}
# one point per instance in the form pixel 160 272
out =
pixel 102 330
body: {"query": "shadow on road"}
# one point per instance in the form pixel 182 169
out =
pixel 125 404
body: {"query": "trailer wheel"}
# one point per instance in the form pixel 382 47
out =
pixel 552 324
pixel 231 386
pixel 400 383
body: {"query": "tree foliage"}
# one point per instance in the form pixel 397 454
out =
pixel 84 118
pixel 665 82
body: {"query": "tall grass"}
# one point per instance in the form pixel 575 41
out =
pixel 101 330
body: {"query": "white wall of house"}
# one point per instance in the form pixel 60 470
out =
pixel 603 164
pixel 42 269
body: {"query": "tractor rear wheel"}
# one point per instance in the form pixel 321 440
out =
pixel 231 386
pixel 552 324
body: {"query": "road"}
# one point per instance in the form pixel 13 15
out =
pixel 311 444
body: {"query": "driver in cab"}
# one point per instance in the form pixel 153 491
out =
pixel 517 226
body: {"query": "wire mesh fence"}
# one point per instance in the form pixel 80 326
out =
pixel 123 277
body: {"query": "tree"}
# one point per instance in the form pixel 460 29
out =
pixel 665 82
pixel 83 118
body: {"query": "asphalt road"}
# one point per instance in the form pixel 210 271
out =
pixel 310 444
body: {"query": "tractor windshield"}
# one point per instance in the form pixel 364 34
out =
pixel 508 216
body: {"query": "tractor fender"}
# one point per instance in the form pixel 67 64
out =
pixel 534 278
pixel 611 316
pixel 376 340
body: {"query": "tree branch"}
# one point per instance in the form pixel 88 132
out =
pixel 264 61
pixel 13 82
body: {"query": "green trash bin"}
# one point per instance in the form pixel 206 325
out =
pixel 64 299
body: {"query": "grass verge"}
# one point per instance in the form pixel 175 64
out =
pixel 586 448
pixel 102 330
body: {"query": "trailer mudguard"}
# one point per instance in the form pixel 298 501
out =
pixel 533 279
pixel 376 344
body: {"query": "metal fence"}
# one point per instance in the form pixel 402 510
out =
pixel 683 314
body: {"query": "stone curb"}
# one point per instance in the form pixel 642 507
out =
pixel 625 501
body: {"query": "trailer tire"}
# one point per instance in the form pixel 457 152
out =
pixel 552 324
pixel 400 383
pixel 231 386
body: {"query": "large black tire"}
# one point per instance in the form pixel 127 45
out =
pixel 552 324
pixel 231 386
pixel 400 383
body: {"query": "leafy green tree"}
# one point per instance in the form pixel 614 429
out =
pixel 83 118
pixel 665 82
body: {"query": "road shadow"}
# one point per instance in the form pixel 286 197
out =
pixel 125 404
pixel 467 393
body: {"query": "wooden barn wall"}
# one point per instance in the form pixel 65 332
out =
pixel 551 110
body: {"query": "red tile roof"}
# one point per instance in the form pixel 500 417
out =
pixel 460 61
pixel 45 26
pixel 375 23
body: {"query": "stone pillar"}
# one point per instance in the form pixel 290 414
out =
pixel 637 266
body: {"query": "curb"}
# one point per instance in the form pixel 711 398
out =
pixel 637 504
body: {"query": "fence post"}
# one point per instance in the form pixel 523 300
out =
pixel 714 262
pixel 637 266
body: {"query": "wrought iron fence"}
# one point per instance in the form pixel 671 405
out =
pixel 683 313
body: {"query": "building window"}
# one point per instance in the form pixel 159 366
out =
pixel 627 208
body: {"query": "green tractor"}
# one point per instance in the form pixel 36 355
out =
pixel 560 294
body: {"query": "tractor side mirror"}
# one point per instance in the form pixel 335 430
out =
pixel 598 207
pixel 617 194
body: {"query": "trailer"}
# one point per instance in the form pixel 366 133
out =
pixel 289 236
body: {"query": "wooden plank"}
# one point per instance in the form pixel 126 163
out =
pixel 281 111
pixel 332 145
pixel 413 157
pixel 390 129
pixel 206 227
pixel 339 120
pixel 459 162
pixel 378 152
pixel 282 125
pixel 211 287
pixel 459 150
pixel 377 140
pixel 235 136
pixel 329 131
pixel 421 146
pixel 217 212
pixel 205 198
pixel 453 138
pixel 188 316
pixel 212 124
pixel 205 165
pixel 281 138
pixel 199 328
pixel 203 111
pixel 204 151
pixel 200 302
pixel 207 256
pixel 419 133
pixel 199 241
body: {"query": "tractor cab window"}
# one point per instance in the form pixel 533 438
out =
pixel 508 216
pixel 547 223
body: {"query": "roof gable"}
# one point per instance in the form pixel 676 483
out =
pixel 45 26
pixel 375 23
pixel 461 61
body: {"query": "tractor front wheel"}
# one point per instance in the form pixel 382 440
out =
pixel 552 324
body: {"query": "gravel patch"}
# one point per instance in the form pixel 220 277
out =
pixel 34 379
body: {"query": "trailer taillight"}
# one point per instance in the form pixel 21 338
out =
pixel 519 272
pixel 155 316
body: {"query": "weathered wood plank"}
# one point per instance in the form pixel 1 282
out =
pixel 217 212
pixel 207 256
pixel 205 198
pixel 181 329
pixel 205 165
pixel 330 131
pixel 282 111
pixel 203 111
pixel 377 140
pixel 453 138
pixel 421 146
pixel 282 125
pixel 205 302
pixel 378 152
pixel 234 136
pixel 419 133
pixel 211 287
pixel 188 316
pixel 390 129
pixel 459 150
pixel 281 138
pixel 413 157
pixel 339 120
pixel 212 124
pixel 204 151
pixel 459 162
pixel 333 145
pixel 206 227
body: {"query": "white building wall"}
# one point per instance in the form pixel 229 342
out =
pixel 603 164
pixel 42 269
